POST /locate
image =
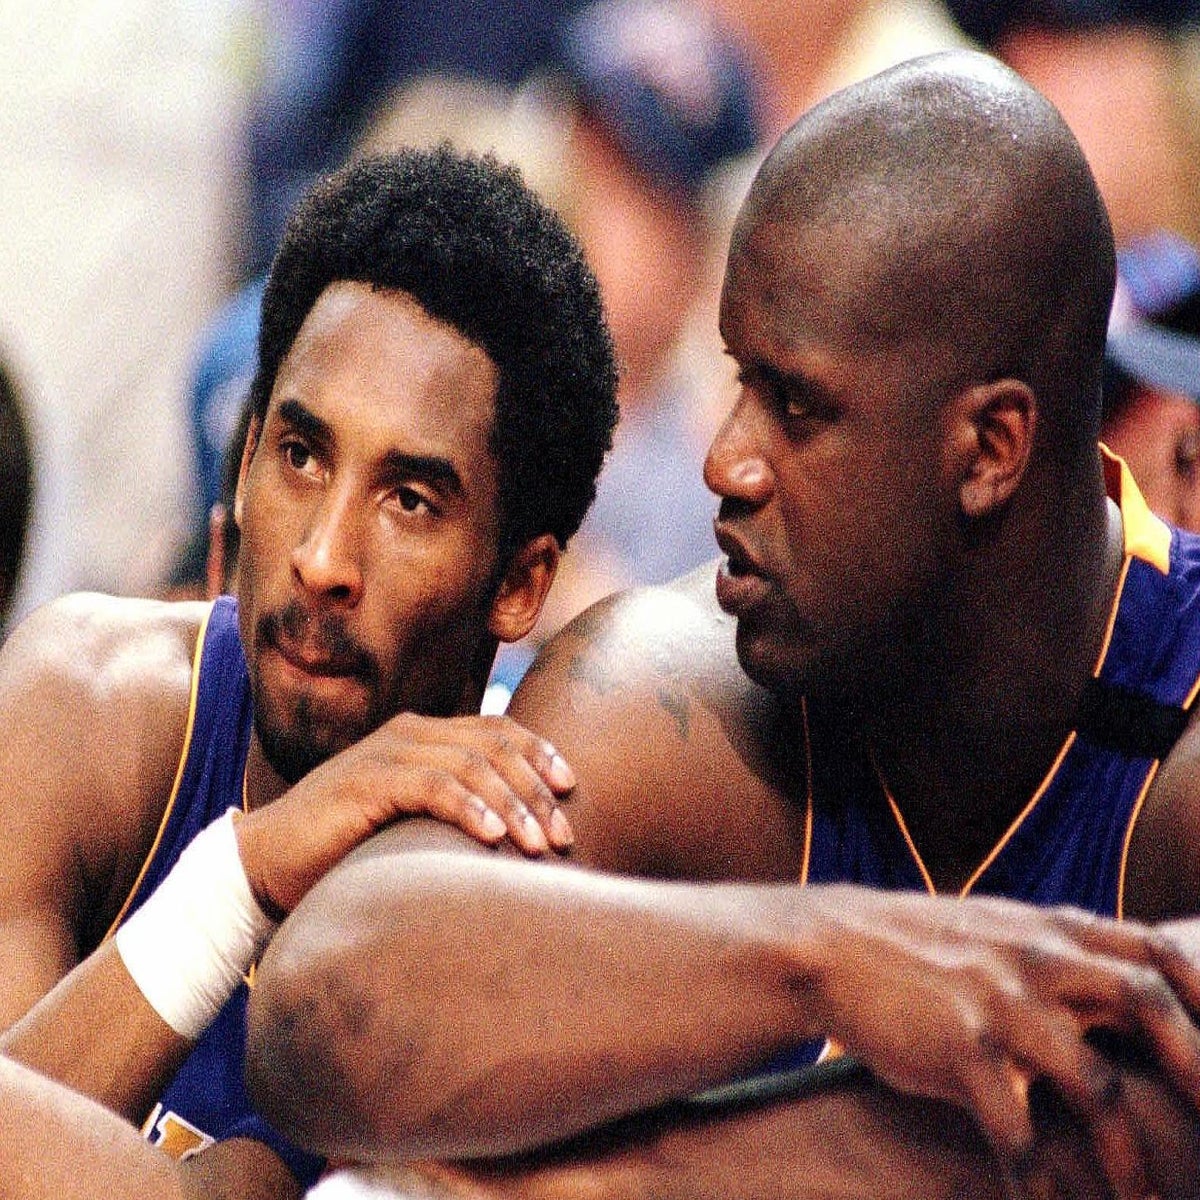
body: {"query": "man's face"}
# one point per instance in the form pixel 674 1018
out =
pixel 368 512
pixel 834 513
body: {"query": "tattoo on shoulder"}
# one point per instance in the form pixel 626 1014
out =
pixel 593 672
pixel 677 705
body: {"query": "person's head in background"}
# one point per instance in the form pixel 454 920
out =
pixel 658 100
pixel 1152 374
pixel 16 488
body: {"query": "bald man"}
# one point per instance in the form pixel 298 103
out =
pixel 909 774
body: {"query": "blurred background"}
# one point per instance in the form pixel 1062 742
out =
pixel 150 151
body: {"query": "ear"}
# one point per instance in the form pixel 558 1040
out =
pixel 252 432
pixel 518 601
pixel 994 437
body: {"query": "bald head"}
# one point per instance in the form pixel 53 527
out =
pixel 981 237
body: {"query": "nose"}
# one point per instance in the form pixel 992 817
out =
pixel 326 560
pixel 735 467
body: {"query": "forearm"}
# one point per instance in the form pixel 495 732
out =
pixel 402 1023
pixel 843 1141
pixel 855 1142
pixel 61 1146
pixel 96 1033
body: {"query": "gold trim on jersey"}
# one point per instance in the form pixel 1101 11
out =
pixel 183 757
pixel 808 793
pixel 1145 536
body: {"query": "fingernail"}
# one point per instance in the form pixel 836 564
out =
pixel 560 829
pixel 493 824
pixel 534 834
pixel 561 775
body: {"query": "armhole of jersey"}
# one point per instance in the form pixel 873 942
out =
pixel 1133 816
pixel 183 757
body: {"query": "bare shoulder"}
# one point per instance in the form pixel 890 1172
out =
pixel 94 695
pixel 96 655
pixel 1163 871
pixel 686 767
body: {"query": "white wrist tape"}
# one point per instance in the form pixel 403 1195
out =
pixel 194 938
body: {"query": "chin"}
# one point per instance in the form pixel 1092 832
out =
pixel 302 741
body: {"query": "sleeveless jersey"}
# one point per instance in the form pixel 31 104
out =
pixel 1070 843
pixel 206 1100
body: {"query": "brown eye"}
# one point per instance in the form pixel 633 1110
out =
pixel 297 455
pixel 410 500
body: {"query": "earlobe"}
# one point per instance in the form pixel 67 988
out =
pixel 1000 418
pixel 518 601
pixel 252 432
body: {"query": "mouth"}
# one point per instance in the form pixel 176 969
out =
pixel 742 583
pixel 316 664
pixel 314 649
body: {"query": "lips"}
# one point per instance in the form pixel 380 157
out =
pixel 741 581
pixel 316 646
pixel 318 665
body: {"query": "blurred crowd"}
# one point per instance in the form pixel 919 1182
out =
pixel 152 151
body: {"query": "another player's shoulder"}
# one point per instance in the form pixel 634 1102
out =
pixel 646 637
pixel 685 765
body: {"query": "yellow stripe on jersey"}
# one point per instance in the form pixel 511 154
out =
pixel 183 756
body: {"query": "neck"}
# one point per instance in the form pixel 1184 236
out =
pixel 263 782
pixel 966 728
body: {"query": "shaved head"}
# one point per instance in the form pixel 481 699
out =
pixel 979 235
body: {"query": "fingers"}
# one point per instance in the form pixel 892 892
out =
pixel 508 778
pixel 1149 992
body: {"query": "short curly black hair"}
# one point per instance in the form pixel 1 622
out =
pixel 464 236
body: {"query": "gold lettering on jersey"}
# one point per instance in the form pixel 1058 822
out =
pixel 172 1134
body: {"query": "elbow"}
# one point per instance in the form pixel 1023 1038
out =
pixel 290 1072
pixel 331 1059
pixel 304 1049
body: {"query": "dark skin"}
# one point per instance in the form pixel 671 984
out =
pixel 367 501
pixel 916 537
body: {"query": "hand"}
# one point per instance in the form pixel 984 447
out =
pixel 488 775
pixel 970 1001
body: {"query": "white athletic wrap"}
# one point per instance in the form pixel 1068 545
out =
pixel 198 934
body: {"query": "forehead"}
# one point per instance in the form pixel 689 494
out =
pixel 379 370
pixel 790 283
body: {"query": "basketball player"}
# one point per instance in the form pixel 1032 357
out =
pixel 887 775
pixel 433 399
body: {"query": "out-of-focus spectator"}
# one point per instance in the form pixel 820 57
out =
pixel 805 49
pixel 16 488
pixel 332 63
pixel 1152 384
pixel 120 182
pixel 658 98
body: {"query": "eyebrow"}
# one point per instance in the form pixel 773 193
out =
pixel 433 469
pixel 438 472
pixel 305 422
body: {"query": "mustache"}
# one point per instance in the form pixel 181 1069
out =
pixel 324 633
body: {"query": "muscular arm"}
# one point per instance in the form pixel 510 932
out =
pixel 93 703
pixel 58 1145
pixel 837 1139
pixel 578 997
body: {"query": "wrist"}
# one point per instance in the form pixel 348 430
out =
pixel 189 945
